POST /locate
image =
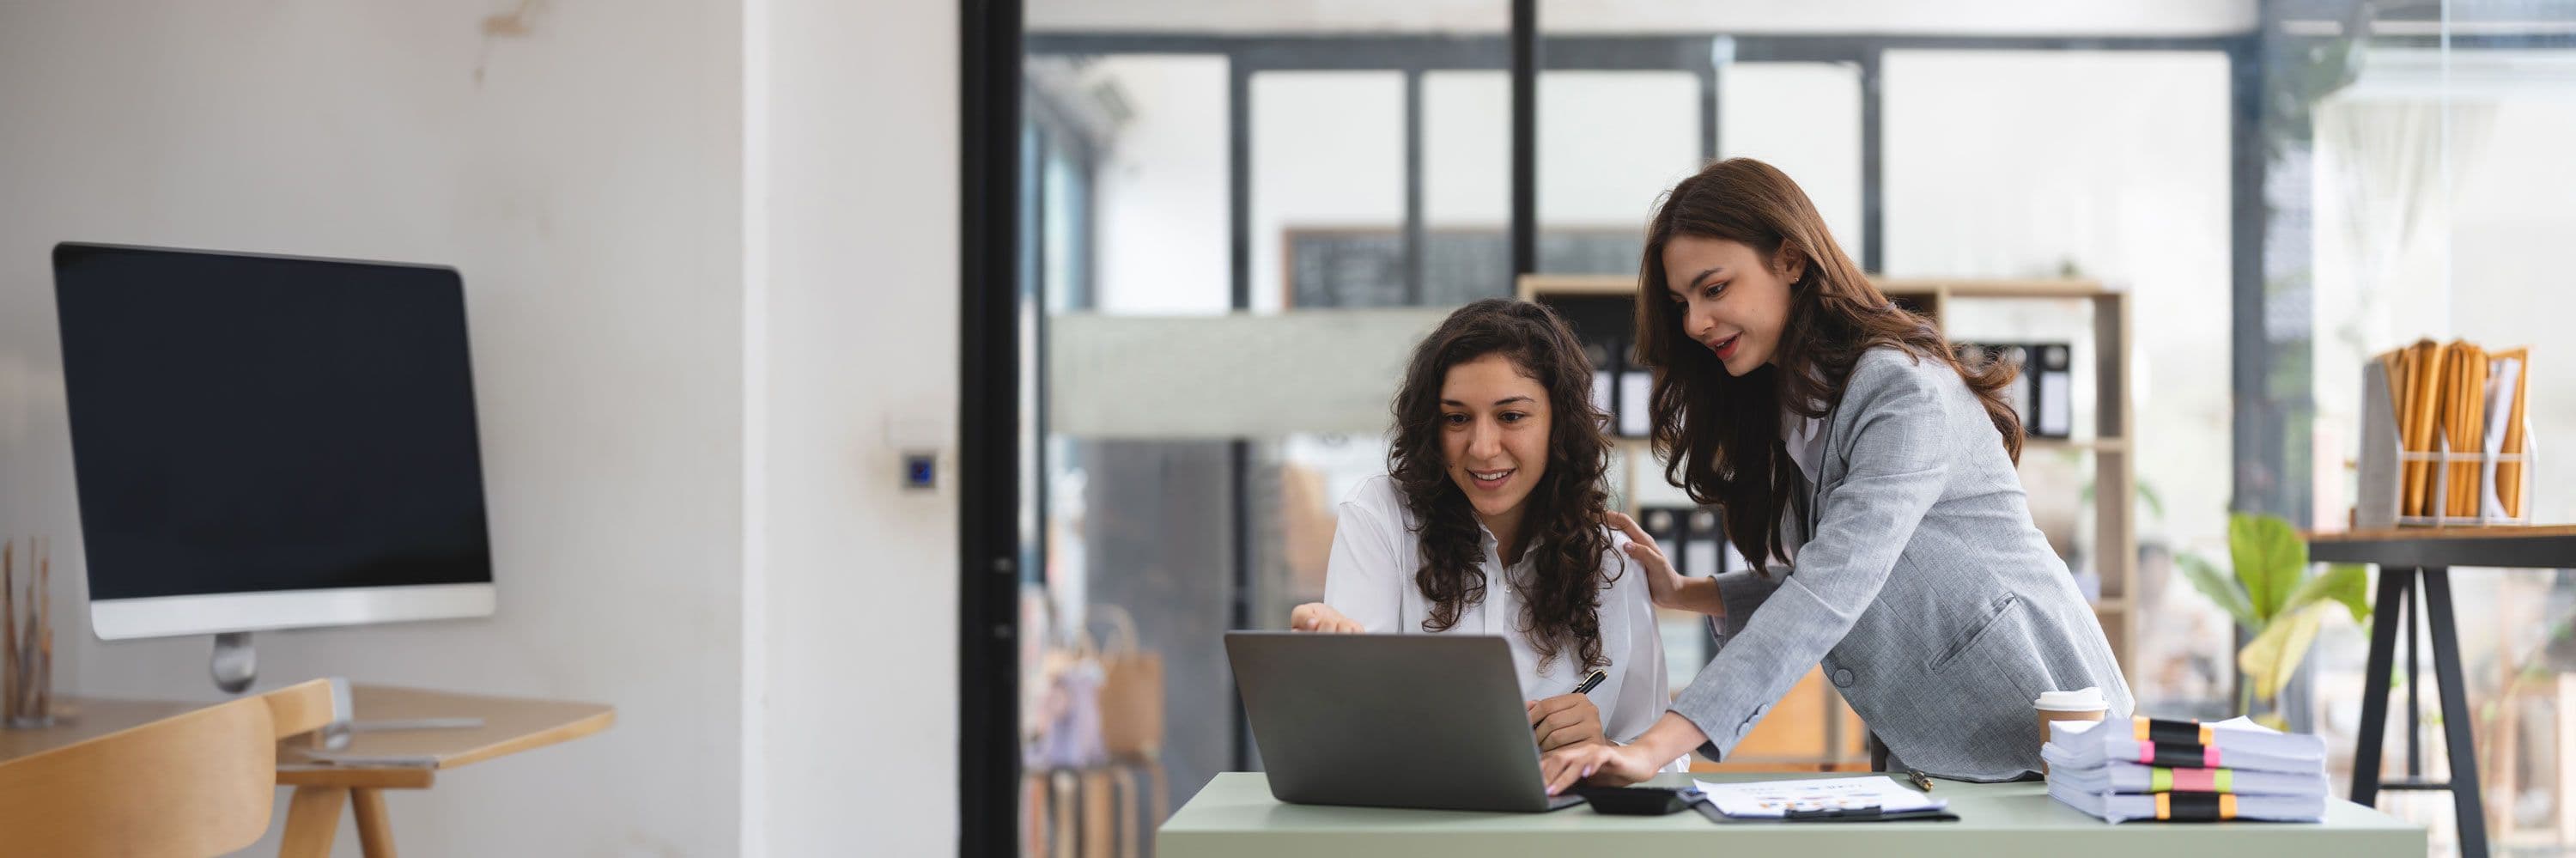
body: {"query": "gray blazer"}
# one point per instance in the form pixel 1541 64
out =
pixel 1931 600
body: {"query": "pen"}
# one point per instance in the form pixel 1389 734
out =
pixel 1920 779
pixel 1591 682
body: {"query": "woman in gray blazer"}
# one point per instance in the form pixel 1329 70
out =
pixel 1870 471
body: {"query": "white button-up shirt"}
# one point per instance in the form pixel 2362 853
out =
pixel 1370 580
pixel 1805 438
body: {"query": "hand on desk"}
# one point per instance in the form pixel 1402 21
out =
pixel 1320 617
pixel 1566 719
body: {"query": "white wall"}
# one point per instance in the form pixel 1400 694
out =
pixel 586 178
pixel 710 257
pixel 860 711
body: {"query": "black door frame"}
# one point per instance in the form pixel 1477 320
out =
pixel 988 706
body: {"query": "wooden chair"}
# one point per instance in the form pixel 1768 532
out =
pixel 201 783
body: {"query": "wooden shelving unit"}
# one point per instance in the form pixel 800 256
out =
pixel 2115 535
pixel 1535 286
pixel 1819 742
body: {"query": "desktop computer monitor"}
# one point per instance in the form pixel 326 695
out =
pixel 264 442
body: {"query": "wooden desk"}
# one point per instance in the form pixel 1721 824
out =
pixel 510 725
pixel 1234 815
pixel 2407 556
pixel 80 719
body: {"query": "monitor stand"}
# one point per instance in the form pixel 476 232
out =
pixel 235 664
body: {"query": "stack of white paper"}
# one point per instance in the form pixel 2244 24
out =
pixel 2233 769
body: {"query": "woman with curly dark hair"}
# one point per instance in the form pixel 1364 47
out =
pixel 1870 471
pixel 1490 521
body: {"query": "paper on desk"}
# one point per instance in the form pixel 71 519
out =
pixel 1773 799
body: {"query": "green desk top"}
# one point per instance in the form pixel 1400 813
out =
pixel 1235 816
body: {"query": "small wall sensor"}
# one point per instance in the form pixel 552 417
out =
pixel 920 470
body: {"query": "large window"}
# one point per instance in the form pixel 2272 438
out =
pixel 2419 192
pixel 1237 218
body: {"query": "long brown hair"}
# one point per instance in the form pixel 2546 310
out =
pixel 1562 522
pixel 1719 434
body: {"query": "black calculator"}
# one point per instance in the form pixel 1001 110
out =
pixel 1641 800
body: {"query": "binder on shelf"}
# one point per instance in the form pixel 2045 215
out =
pixel 2053 396
pixel 1636 395
pixel 1692 538
pixel 1701 543
pixel 1665 524
pixel 2020 394
pixel 2042 392
pixel 1603 374
pixel 1620 388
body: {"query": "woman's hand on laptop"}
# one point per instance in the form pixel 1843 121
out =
pixel 1566 719
pixel 1320 617
pixel 1597 763
pixel 1607 764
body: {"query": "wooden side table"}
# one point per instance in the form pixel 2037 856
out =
pixel 2409 559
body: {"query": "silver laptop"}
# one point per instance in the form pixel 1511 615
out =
pixel 1424 721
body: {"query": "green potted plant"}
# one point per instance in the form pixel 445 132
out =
pixel 2276 601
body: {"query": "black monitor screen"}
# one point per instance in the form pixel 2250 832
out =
pixel 245 423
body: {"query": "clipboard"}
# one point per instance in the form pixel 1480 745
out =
pixel 1862 814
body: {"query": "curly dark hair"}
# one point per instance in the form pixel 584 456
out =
pixel 1562 522
pixel 1719 434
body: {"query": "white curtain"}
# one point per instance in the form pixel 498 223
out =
pixel 2379 165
